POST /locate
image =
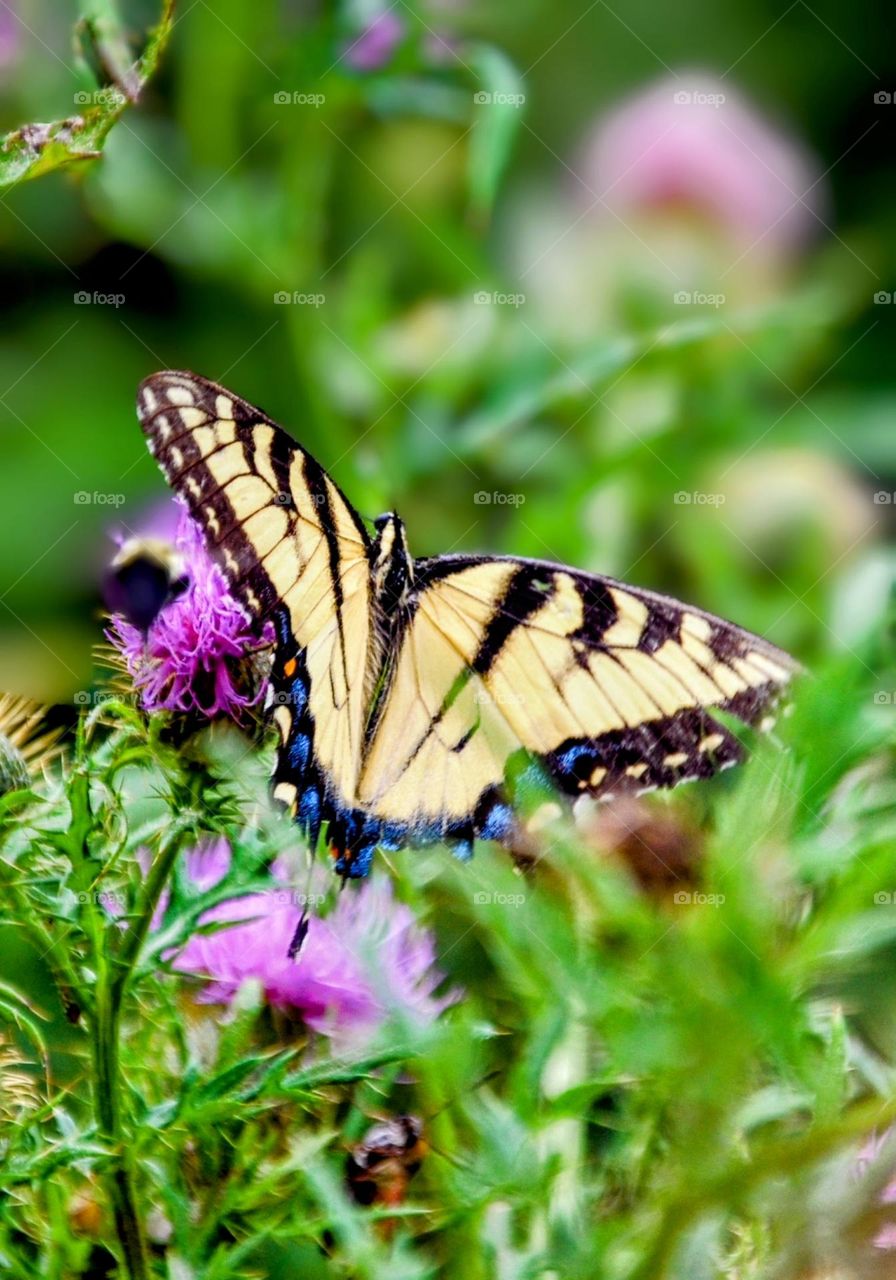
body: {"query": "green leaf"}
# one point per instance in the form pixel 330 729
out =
pixel 497 107
pixel 18 1012
pixel 232 1081
pixel 340 1071
pixel 104 45
pixel 38 148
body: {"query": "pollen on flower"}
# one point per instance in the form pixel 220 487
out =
pixel 195 656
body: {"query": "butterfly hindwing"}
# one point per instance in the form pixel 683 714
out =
pixel 608 688
pixel 293 551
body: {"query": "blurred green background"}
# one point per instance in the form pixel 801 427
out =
pixel 597 283
pixel 484 218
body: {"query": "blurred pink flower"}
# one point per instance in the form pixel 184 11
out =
pixel 692 141
pixel 10 35
pixel 886 1237
pixel 191 658
pixel 375 45
pixel 366 959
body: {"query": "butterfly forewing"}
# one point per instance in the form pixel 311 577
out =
pixel 293 550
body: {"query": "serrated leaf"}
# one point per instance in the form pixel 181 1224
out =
pixel 339 1071
pixel 229 1081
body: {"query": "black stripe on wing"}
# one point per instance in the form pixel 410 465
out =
pixel 187 421
pixel 664 749
pixel 534 583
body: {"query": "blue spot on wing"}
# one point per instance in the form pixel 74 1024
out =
pixel 498 822
pixel 297 752
pixel 463 850
pixel 283 630
pixel 569 758
pixel 299 695
pixel 308 812
pixel 393 837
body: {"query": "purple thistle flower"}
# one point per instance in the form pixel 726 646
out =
pixel 192 656
pixel 366 960
pixel 375 45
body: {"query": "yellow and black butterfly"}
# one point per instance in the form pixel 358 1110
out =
pixel 417 699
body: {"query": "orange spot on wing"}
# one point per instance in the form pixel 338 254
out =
pixel 289 668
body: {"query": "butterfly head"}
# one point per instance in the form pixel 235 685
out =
pixel 393 568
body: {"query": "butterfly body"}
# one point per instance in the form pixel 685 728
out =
pixel 418 700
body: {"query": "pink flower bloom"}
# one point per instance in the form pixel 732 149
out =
pixel 692 141
pixel 192 657
pixel 375 45
pixel 365 960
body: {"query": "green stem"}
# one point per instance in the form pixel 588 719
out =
pixel 107 1106
pixel 113 974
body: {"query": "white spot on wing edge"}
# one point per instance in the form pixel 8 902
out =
pixel 191 417
pixel 179 395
